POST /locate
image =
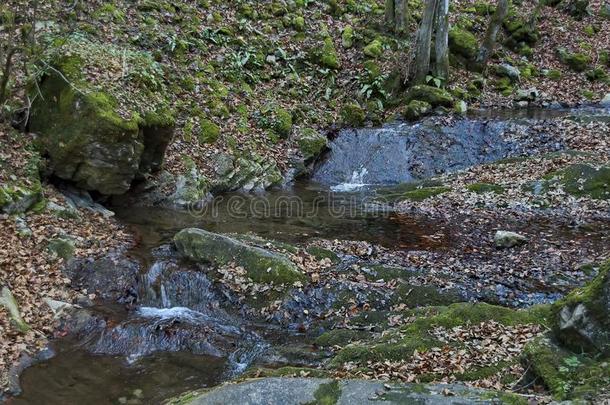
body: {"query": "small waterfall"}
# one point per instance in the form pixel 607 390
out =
pixel 354 183
pixel 401 152
pixel 178 311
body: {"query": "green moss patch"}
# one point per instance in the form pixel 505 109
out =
pixel 432 95
pixel 415 336
pixel 580 180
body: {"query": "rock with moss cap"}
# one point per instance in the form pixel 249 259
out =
pixel 311 143
pixel 347 37
pixel 326 55
pixel 262 266
pixel 578 62
pixel 432 95
pixel 374 49
pixel 352 115
pixel 581 321
pixel 463 43
pixel 209 131
pixel 416 109
pixel 99 134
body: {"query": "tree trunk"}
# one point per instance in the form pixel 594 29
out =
pixel 401 16
pixel 390 13
pixel 489 42
pixel 422 47
pixel 441 43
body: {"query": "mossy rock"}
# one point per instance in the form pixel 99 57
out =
pixel 580 320
pixel 15 199
pixel 102 135
pixel 352 115
pixel 504 86
pixel 463 43
pixel 567 375
pixel 62 247
pixel 299 23
pixel 374 49
pixel 578 9
pixel 432 95
pixel 261 265
pixel 347 37
pixel 482 188
pixel 326 55
pixel 311 143
pixel 416 109
pixel 520 32
pixel 276 119
pixel 578 62
pixel 341 337
pixel 209 131
pixel 251 172
pixel 416 190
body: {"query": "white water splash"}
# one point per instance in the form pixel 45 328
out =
pixel 182 313
pixel 356 182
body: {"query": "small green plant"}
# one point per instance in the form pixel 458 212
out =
pixel 435 81
pixel 373 87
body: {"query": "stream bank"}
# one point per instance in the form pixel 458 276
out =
pixel 375 262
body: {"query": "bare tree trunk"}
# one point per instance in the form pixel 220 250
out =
pixel 491 34
pixel 422 47
pixel 6 72
pixel 441 43
pixel 389 13
pixel 401 15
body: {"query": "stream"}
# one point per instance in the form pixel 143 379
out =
pixel 177 331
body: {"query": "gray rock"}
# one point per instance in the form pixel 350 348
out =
pixel 461 107
pixel 62 247
pixel 582 322
pixel 112 278
pixel 77 198
pixel 529 95
pixel 23 229
pixel 506 70
pixel 65 212
pixel 297 391
pixel 605 101
pixel 507 239
pixel 8 301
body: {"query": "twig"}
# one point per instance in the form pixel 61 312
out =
pixel 65 79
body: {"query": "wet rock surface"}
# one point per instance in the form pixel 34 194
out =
pixel 403 152
pixel 326 391
pixel 112 278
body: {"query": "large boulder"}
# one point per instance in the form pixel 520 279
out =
pixel 285 391
pixel 261 265
pixel 581 320
pixel 102 131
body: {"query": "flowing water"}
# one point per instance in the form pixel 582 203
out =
pixel 177 336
